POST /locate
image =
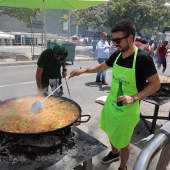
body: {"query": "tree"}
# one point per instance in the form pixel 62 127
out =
pixel 22 14
pixel 147 15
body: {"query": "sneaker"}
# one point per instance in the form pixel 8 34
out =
pixel 110 157
pixel 98 81
pixel 104 83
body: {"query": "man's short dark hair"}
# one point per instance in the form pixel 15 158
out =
pixel 125 26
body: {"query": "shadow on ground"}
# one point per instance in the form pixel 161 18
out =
pixel 141 132
pixel 101 87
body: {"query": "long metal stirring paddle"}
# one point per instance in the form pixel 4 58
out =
pixel 37 106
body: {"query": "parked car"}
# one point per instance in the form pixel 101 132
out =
pixel 74 39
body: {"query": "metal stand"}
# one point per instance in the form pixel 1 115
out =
pixel 154 117
pixel 88 147
pixel 87 165
pixel 160 141
pixel 164 158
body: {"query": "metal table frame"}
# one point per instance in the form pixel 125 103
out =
pixel 156 110
pixel 83 160
pixel 155 115
pixel 77 157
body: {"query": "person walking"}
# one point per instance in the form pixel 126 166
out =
pixel 161 56
pixel 94 43
pixel 145 47
pixel 121 111
pixel 49 69
pixel 103 48
pixel 138 42
pixel 152 46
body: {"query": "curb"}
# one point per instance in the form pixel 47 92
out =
pixel 18 63
pixel 35 62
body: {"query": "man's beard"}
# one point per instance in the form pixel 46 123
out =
pixel 123 49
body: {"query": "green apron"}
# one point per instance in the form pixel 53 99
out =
pixel 119 122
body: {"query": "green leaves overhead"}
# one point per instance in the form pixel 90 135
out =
pixel 147 15
pixel 22 14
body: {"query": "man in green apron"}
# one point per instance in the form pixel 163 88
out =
pixel 131 68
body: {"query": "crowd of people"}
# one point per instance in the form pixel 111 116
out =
pixel 158 50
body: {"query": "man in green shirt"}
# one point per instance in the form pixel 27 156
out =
pixel 49 69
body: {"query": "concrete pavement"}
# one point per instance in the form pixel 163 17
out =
pixel 8 54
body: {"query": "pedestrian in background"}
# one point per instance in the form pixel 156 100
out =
pixel 103 51
pixel 138 41
pixel 161 56
pixel 49 69
pixel 85 42
pixel 152 46
pixel 94 43
pixel 131 69
pixel 145 47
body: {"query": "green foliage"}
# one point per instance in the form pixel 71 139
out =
pixel 64 18
pixel 22 14
pixel 147 15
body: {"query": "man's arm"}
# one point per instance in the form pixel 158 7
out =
pixel 108 46
pixel 64 70
pixel 153 86
pixel 93 69
pixel 38 76
pixel 64 64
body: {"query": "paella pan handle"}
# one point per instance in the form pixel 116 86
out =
pixel 84 121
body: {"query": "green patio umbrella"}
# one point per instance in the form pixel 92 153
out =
pixel 51 4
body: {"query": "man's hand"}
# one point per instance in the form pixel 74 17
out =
pixel 64 74
pixel 126 99
pixel 76 72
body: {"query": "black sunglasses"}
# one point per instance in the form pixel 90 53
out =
pixel 118 40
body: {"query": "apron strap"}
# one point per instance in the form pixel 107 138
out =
pixel 134 61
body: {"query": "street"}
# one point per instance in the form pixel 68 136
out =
pixel 18 81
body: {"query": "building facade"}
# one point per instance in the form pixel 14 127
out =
pixel 53 28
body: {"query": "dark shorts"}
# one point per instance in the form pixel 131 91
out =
pixel 161 61
pixel 45 84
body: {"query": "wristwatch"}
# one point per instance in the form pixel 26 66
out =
pixel 64 69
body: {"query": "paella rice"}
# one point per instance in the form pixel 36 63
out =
pixel 16 115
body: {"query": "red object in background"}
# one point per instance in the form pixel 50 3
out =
pixel 74 39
